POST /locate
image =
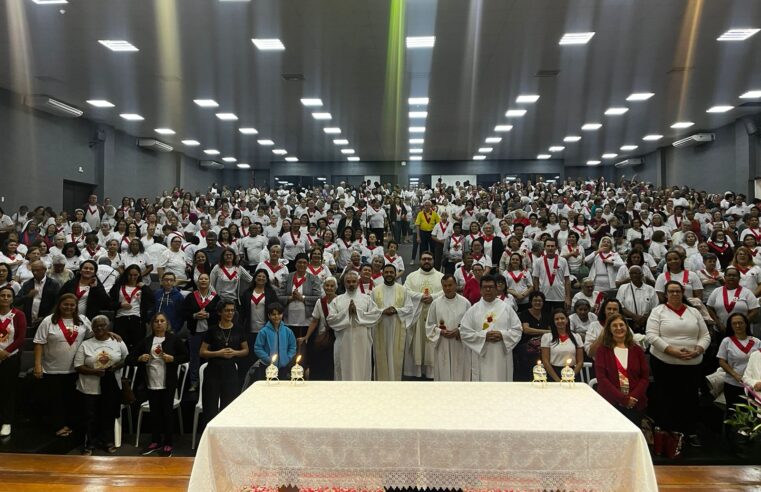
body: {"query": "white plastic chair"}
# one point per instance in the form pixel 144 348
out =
pixel 199 405
pixel 130 373
pixel 145 407
pixel 586 372
pixel 593 383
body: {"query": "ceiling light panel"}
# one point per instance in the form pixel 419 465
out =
pixel 132 117
pixel 751 95
pixel 118 45
pixel 414 42
pixel 416 141
pixel 592 163
pixel 479 157
pixel 206 103
pixel 576 38
pixel 737 34
pixel 348 151
pixel 230 159
pixel 353 159
pixel 248 131
pixel 100 103
pixel 719 109
pixel 418 101
pixel 417 129
pixel 292 159
pixel 416 157
pixel 485 150
pixel 322 116
pixel 265 142
pixel 503 128
pixel 418 114
pixel 312 102
pixel 279 151
pixel 616 111
pixel 527 98
pixel 652 137
pixel 609 155
pixel 332 130
pixel 50 2
pixel 191 143
pixel 340 141
pixel 211 152
pixel 628 148
pixel 493 139
pixel 416 151
pixel 640 96
pixel 682 124
pixel 543 157
pixel 268 44
pixel 515 113
pixel 243 165
pixel 557 148
pixel 591 126
pixel 227 116
pixel 164 131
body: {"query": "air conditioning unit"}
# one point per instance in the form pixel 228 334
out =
pixel 153 144
pixel 212 165
pixel 52 106
pixel 697 139
pixel 629 162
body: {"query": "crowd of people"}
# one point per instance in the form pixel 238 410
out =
pixel 653 286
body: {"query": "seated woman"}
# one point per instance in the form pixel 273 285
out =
pixel 734 352
pixel 621 369
pixel 561 347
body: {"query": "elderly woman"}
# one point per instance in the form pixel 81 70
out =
pixel 678 336
pixel 97 361
pixel 58 270
pixel 731 298
pixel 12 332
pixel 55 344
pixel 621 369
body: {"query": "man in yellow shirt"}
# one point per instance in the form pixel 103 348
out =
pixel 425 222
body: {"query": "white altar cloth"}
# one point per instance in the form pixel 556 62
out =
pixel 471 436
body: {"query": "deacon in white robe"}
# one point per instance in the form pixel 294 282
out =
pixel 491 330
pixel 451 358
pixel 352 317
pixel 399 310
pixel 425 282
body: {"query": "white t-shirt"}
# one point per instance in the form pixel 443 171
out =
pixel 691 284
pixel 97 354
pixel 560 352
pixel 156 366
pixel 558 266
pixel 57 353
pixel 736 358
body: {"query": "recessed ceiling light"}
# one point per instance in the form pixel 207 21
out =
pixel 279 151
pixel 118 45
pixel 227 116
pixel 353 159
pixel 591 126
pixel 191 143
pixel 418 114
pixel 332 130
pixel 576 38
pixel 164 131
pixel 515 113
pixel 682 124
pixel 417 129
pixel 417 141
pixel 557 148
pixel 416 151
pixel 271 44
pixel 485 150
pixel 265 142
pixel 479 157
pixel 543 156
pixel 292 159
pixel 50 2
pixel 322 116
pixel 421 41
pixel 100 103
pixel 593 163
pixel 340 141
pixel 616 111
pixel 640 96
pixel 311 102
pixel 248 131
pixel 627 148
pixel 132 117
pixel 609 155
pixel 418 101
pixel 206 103
pixel 503 128
pixel 348 151
pixel 737 34
pixel 416 157
pixel 751 95
pixel 652 137
pixel 527 98
pixel 243 165
pixel 719 109
pixel 572 138
pixel 230 159
pixel 493 139
pixel 211 152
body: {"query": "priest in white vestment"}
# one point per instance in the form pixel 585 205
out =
pixel 424 282
pixel 399 309
pixel 451 358
pixel 352 316
pixel 491 329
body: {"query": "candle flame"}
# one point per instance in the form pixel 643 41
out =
pixel 274 358
pixel 298 359
pixel 568 362
pixel 539 362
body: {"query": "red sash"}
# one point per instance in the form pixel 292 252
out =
pixel 69 335
pixel 757 236
pixel 309 238
pixel 298 282
pixel 92 212
pixel 744 348
pixel 563 338
pixel 256 300
pixel 346 245
pixel 376 275
pixel 456 241
pixel 466 275
pixel 427 217
pixel 80 293
pixel 328 245
pixel 443 226
pixel 90 251
pixel 598 301
pixel 621 369
pixel 129 297
pixel 678 312
pixel 390 260
pixel 272 268
pixel 202 303
pixel 742 270
pixel 516 278
pixel 487 239
pixel 685 277
pixel 714 275
pixel 716 247
pixel 677 221
pixel 229 275
pixel 4 326
pixel 729 306
pixel 369 287
pixel 295 239
pixel 550 274
pixel 313 271
pixel 580 230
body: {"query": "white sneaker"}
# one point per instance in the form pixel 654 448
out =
pixel 6 430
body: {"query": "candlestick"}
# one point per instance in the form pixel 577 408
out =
pixel 540 374
pixel 568 375
pixel 297 372
pixel 271 373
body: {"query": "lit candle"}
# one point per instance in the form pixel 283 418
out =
pixel 297 372
pixel 271 373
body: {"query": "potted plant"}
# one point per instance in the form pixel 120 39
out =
pixel 745 419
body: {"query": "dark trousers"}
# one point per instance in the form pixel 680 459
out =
pixel 220 388
pixel 131 329
pixel 194 355
pixel 9 381
pixel 675 396
pixel 321 364
pixel 438 254
pixel 396 229
pixel 63 401
pixel 100 412
pixel 162 421
pixel 380 235
pixel 733 395
pixel 426 243
pixel 632 414
pixel 449 267
pixel 244 364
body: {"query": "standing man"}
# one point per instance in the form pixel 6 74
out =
pixel 491 330
pixel 398 309
pixel 352 316
pixel 451 358
pixel 552 278
pixel 426 220
pixel 426 282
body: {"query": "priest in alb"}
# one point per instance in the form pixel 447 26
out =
pixel 425 283
pixel 399 311
pixel 451 358
pixel 491 329
pixel 352 317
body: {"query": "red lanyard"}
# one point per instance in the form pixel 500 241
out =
pixel 550 274
pixel 129 297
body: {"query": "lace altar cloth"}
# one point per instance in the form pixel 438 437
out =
pixel 364 436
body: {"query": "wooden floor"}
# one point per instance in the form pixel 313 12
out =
pixel 33 472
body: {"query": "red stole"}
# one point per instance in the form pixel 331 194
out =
pixel 679 312
pixel 69 335
pixel 313 271
pixel 273 268
pixel 257 299
pixel 685 277
pixel 550 273
pixel 129 297
pixel 203 301
pixel 230 276
pixel 744 348
pixel 729 306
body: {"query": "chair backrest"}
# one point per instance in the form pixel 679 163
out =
pixel 593 383
pixel 130 373
pixel 182 375
pixel 586 372
pixel 201 371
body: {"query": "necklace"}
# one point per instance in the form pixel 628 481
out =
pixel 226 334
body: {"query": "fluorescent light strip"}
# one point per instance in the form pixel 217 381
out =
pixel 50 2
pixel 737 34
pixel 572 138
pixel 417 129
pixel 292 159
pixel 100 103
pixel 543 156
pixel 248 131
pixel 164 131
pixel 418 114
pixel 322 116
pixel 479 157
pixel 416 151
pixel 493 139
pixel 340 141
pixel 191 143
pixel 353 159
pixel 418 101
pixel 211 152
pixel 279 151
pixel 527 98
pixel 230 159
pixel 132 117
pixel 628 148
pixel 416 141
pixel 243 166
pixel 616 111
pixel 609 155
pixel 348 151
pixel 682 124
pixel 557 148
pixel 265 142
pixel 332 130
pixel 640 96
pixel 591 126
pixel 515 113
pixel 719 109
pixel 268 44
pixel 576 38
pixel 485 150
pixel 227 116
pixel 311 102
pixel 652 137
pixel 416 158
pixel 751 95
pixel 593 163
pixel 413 42
pixel 118 45
pixel 206 103
pixel 503 128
